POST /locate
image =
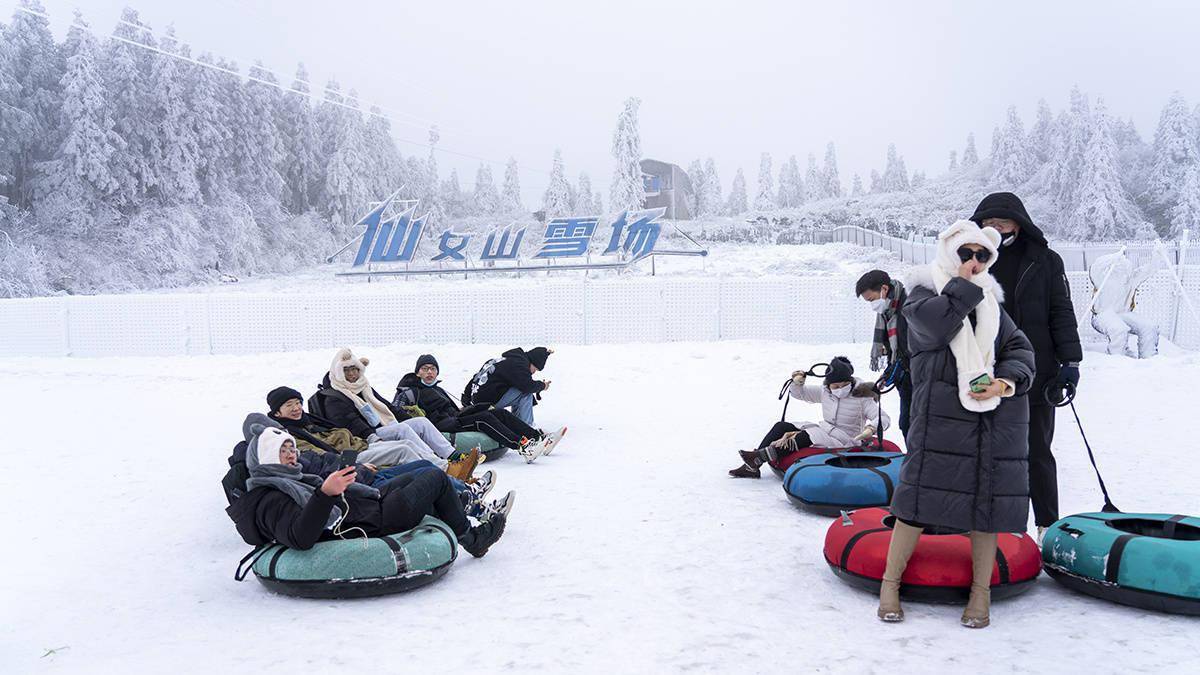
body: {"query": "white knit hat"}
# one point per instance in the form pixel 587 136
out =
pixel 269 442
pixel 964 232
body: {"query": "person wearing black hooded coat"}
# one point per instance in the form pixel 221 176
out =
pixel 508 382
pixel 1038 298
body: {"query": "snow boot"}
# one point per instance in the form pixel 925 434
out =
pixel 751 461
pixel 983 559
pixel 480 538
pixel 463 467
pixel 900 548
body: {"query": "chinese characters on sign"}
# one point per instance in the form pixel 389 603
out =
pixel 397 238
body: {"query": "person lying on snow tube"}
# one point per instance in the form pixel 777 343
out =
pixel 322 462
pixel 422 388
pixel 318 436
pixel 850 412
pixel 282 504
pixel 347 400
pixel 968 446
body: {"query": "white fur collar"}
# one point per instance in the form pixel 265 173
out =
pixel 922 276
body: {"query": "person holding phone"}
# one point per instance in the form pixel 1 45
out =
pixel 968 447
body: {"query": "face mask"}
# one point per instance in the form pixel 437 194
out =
pixel 881 305
pixel 1007 238
pixel 843 392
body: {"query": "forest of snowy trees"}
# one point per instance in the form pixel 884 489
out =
pixel 128 162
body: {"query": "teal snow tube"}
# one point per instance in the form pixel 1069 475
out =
pixel 465 440
pixel 358 568
pixel 1145 560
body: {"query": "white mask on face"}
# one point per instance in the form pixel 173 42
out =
pixel 842 392
pixel 881 305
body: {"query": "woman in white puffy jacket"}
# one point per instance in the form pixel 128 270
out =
pixel 850 413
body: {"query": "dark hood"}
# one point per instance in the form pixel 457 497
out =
pixel 1007 205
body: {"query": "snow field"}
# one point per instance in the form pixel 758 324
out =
pixel 629 549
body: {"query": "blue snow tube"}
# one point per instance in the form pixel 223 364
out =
pixel 1145 560
pixel 842 481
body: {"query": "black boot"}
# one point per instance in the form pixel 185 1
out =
pixel 480 538
pixel 749 469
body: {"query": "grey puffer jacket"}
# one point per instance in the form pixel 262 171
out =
pixel 964 470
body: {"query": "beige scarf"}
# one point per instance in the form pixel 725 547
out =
pixel 360 392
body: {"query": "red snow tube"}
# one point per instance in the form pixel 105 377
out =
pixel 940 568
pixel 781 463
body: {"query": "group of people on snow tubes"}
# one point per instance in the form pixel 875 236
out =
pixel 974 345
pixel 355 461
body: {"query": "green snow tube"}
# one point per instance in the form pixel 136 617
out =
pixel 465 440
pixel 359 568
pixel 1145 560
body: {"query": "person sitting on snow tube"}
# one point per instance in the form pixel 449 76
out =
pixel 282 504
pixel 421 388
pixel 850 413
pixel 347 400
pixel 968 446
pixel 507 382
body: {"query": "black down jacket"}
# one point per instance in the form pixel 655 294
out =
pixel 434 400
pixel 1036 293
pixel 964 470
pixel 499 375
pixel 338 410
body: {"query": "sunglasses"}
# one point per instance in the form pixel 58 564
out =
pixel 982 255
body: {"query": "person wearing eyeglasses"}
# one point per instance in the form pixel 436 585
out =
pixel 1038 298
pixel 966 467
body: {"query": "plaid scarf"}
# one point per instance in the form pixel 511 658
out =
pixel 885 347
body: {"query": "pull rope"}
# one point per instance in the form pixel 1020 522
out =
pixel 243 569
pixel 1066 396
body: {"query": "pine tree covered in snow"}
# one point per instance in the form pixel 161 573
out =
pixel 814 181
pixel 712 184
pixel 876 182
pixel 953 161
pixel 895 174
pixel 918 179
pixel 833 182
pixel 128 87
pixel 584 203
pixel 485 199
pixel 1041 135
pixel 764 200
pixel 1175 153
pixel 856 186
pixel 791 184
pixel 1185 215
pixel 737 196
pixel 451 198
pixel 697 176
pixel 178 158
pixel 1101 209
pixel 970 154
pixel 1075 127
pixel 626 190
pixel 1011 163
pixel 298 135
pixel 29 100
pixel 557 200
pixel 510 196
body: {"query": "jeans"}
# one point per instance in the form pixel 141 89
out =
pixel 384 475
pixel 519 402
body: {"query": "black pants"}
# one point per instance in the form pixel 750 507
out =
pixel 409 497
pixel 1043 472
pixel 801 439
pixel 499 424
pixel 905 389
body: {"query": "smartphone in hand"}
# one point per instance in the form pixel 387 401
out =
pixel 347 458
pixel 980 383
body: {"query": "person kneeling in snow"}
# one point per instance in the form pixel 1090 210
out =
pixel 348 400
pixel 421 388
pixel 850 414
pixel 282 504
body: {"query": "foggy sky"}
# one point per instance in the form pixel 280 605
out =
pixel 727 80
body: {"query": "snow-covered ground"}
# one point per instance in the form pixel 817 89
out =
pixel 629 549
pixel 724 259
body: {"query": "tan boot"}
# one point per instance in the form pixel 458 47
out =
pixel 904 540
pixel 983 560
pixel 464 467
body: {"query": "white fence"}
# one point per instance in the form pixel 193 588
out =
pixel 817 309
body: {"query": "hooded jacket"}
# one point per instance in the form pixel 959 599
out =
pixel 435 401
pixel 1037 295
pixel 499 375
pixel 340 411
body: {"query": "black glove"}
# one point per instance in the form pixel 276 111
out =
pixel 1068 374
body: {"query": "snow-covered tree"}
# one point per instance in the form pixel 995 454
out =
pixel 918 179
pixel 764 200
pixel 876 182
pixel 953 161
pixel 29 100
pixel 510 196
pixel 583 202
pixel 206 103
pixel 178 159
pixel 814 181
pixel 712 184
pixel 791 184
pixel 1075 126
pixel 346 192
pixel 695 172
pixel 970 154
pixel 1011 163
pixel 387 166
pixel 485 199
pixel 130 105
pixel 557 200
pixel 627 190
pixel 1185 214
pixel 895 174
pixel 298 135
pixel 452 200
pixel 1041 135
pixel 737 195
pixel 856 186
pixel 1101 210
pixel 833 182
pixel 1175 153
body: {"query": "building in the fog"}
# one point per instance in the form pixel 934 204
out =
pixel 668 186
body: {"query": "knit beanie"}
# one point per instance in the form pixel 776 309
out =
pixel 538 355
pixel 280 395
pixel 269 442
pixel 426 359
pixel 840 370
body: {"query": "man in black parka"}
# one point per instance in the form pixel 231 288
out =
pixel 1038 298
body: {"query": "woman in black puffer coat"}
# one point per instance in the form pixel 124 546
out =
pixel 967 463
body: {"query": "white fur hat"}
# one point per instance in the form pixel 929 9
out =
pixel 964 232
pixel 269 442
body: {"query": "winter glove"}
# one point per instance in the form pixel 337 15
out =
pixel 373 438
pixel 867 432
pixel 798 377
pixel 879 362
pixel 413 410
pixel 1068 374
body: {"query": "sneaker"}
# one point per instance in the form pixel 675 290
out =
pixel 550 440
pixel 480 538
pixel 531 451
pixel 484 483
pixel 504 505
